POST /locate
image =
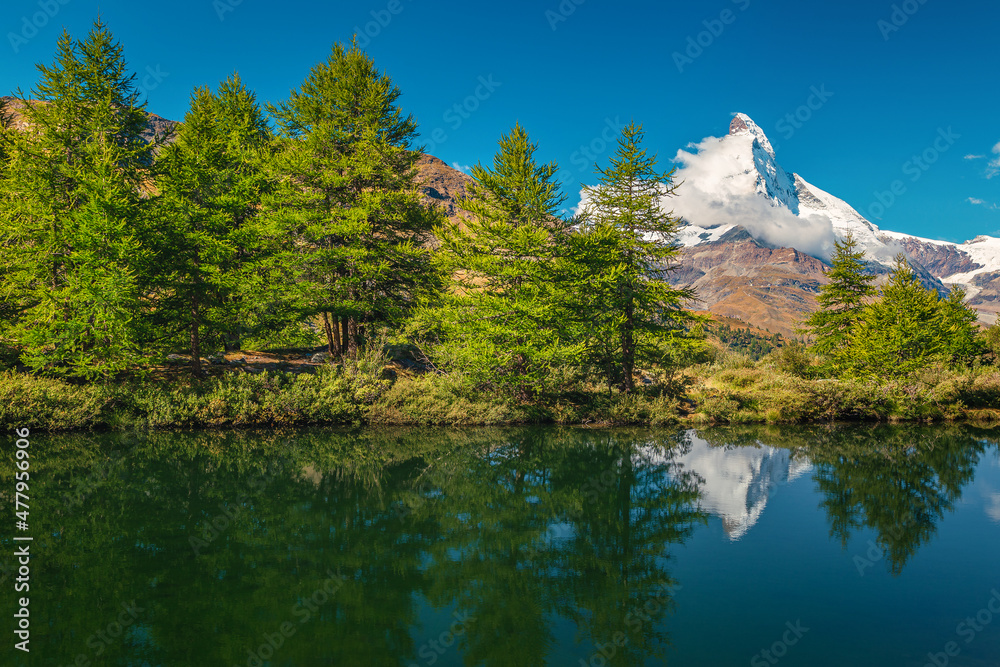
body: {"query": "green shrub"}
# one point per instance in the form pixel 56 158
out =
pixel 795 359
pixel 741 378
pixel 434 399
pixel 633 409
pixel 43 403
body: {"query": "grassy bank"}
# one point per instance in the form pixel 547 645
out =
pixel 762 394
pixel 333 395
pixel 732 390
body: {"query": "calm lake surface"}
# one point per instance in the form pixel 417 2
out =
pixel 745 546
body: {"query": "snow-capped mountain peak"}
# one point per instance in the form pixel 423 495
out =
pixel 743 124
pixel 755 155
pixel 732 172
pixel 735 181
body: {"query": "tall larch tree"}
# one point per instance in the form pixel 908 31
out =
pixel 618 263
pixel 8 307
pixel 349 208
pixel 74 205
pixel 957 323
pixel 842 300
pixel 211 181
pixel 497 322
pixel 898 334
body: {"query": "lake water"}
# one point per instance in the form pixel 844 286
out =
pixel 745 546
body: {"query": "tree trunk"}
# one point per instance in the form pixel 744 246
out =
pixel 352 337
pixel 336 336
pixel 345 337
pixel 628 349
pixel 332 346
pixel 196 369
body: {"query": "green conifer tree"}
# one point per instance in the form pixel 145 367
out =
pixel 497 322
pixel 614 277
pixel 842 300
pixel 73 212
pixel 8 304
pixel 961 341
pixel 896 335
pixel 211 182
pixel 349 210
pixel 5 126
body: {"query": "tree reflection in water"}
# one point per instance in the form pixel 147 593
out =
pixel 898 481
pixel 223 537
pixel 543 541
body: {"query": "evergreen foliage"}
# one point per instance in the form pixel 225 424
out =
pixel 841 300
pixel 894 335
pixel 961 341
pixel 615 267
pixel 498 321
pixel 348 210
pixel 908 328
pixel 73 212
pixel 754 345
pixel 210 244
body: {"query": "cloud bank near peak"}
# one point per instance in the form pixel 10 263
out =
pixel 715 189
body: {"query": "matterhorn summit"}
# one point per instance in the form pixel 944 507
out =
pixel 743 124
pixel 737 172
pixel 758 161
pixel 734 191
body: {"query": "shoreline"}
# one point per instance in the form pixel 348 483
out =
pixel 336 396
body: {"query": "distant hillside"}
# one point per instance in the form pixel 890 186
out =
pixel 442 185
pixel 158 126
pixel 744 214
pixel 742 265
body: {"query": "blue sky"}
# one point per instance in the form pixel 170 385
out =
pixel 894 78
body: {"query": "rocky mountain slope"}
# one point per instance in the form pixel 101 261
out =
pixel 441 185
pixel 736 276
pixel 755 236
pixel 748 221
pixel 158 126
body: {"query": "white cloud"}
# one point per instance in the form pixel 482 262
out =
pixel 993 168
pixel 717 191
pixel 464 168
pixel 979 202
pixel 993 509
pixel 975 157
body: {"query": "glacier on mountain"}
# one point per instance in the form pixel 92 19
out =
pixel 736 180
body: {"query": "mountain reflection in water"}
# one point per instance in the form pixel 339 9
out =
pixel 508 546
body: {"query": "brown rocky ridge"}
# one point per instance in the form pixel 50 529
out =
pixel 737 276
